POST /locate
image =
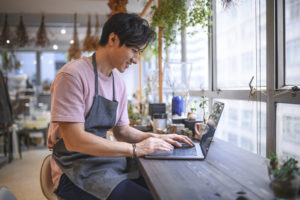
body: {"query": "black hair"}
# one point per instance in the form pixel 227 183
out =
pixel 132 30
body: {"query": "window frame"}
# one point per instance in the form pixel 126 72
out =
pixel 275 91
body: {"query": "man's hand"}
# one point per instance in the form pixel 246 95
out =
pixel 174 139
pixel 152 144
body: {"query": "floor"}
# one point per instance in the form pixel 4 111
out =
pixel 22 176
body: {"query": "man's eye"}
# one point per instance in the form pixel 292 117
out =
pixel 135 51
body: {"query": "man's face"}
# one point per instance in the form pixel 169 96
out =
pixel 123 56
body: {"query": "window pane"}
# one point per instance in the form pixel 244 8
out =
pixel 51 62
pixel 292 42
pixel 197 55
pixel 243 123
pixel 241 44
pixel 288 130
pixel 28 64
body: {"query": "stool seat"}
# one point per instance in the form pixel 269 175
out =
pixel 46 179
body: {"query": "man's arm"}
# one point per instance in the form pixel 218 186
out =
pixel 78 140
pixel 132 135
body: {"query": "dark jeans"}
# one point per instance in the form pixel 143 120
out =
pixel 126 190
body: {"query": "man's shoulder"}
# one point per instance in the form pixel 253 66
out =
pixel 76 67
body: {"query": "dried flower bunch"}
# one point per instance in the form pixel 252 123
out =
pixel 41 38
pixel 96 35
pixel 88 40
pixel 117 6
pixel 22 38
pixel 74 50
pixel 6 36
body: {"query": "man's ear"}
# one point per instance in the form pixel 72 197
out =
pixel 112 39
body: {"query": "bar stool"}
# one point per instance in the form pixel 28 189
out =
pixel 46 180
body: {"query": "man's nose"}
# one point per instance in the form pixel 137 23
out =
pixel 134 59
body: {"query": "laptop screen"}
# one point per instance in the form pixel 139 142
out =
pixel 212 124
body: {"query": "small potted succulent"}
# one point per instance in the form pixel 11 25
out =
pixel 285 178
pixel 192 115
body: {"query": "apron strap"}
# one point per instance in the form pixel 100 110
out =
pixel 96 77
pixel 96 73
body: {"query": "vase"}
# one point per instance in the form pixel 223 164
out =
pixel 177 105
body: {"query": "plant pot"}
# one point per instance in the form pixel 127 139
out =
pixel 286 189
pixel 192 116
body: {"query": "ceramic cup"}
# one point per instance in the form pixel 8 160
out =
pixel 199 129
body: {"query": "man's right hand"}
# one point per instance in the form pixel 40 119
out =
pixel 151 145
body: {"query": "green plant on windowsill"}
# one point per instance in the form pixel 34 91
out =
pixel 203 105
pixel 175 15
pixel 192 114
pixel 285 178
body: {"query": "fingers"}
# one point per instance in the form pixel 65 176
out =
pixel 173 142
pixel 183 138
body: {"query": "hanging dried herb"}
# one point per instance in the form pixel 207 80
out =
pixel 74 50
pixel 22 38
pixel 41 37
pixel 117 6
pixel 88 40
pixel 6 39
pixel 96 35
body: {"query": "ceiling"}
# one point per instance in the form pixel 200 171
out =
pixel 59 14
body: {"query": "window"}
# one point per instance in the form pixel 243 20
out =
pixel 51 62
pixel 197 55
pixel 240 43
pixel 292 42
pixel 242 121
pixel 28 64
pixel 288 130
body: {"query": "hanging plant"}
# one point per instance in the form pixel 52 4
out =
pixel 41 37
pixel 88 40
pixel 74 50
pixel 174 15
pixel 96 35
pixel 22 38
pixel 6 39
pixel 228 3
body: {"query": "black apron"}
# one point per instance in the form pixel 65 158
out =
pixel 96 175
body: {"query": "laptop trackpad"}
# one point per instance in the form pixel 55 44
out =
pixel 161 153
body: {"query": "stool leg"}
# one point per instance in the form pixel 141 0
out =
pixel 10 150
pixel 19 144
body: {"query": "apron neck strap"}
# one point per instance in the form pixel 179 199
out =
pixel 96 77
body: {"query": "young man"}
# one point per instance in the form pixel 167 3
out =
pixel 89 98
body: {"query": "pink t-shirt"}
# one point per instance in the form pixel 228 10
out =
pixel 72 95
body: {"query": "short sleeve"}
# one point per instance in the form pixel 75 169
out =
pixel 123 119
pixel 67 99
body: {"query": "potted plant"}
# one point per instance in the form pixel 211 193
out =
pixel 203 105
pixel 192 114
pixel 284 178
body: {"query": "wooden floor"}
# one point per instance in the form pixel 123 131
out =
pixel 22 176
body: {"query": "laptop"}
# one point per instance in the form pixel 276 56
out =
pixel 200 150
